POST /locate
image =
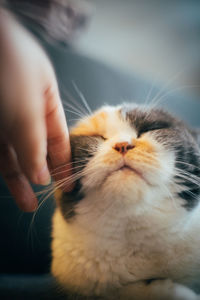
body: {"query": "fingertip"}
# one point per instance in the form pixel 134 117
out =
pixel 22 193
pixel 43 177
pixel 28 206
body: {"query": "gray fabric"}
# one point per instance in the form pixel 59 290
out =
pixel 57 20
pixel 23 287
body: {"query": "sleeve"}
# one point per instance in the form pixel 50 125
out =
pixel 59 20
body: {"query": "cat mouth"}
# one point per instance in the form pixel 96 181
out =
pixel 133 170
pixel 129 169
pixel 125 167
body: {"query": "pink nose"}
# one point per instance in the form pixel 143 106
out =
pixel 123 147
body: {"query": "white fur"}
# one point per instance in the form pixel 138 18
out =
pixel 127 229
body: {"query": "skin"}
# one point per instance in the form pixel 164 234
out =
pixel 33 132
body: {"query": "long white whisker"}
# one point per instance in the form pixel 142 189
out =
pixel 72 169
pixel 82 97
pixel 149 93
pixel 187 173
pixel 187 164
pixel 68 164
pixel 170 195
pixel 173 91
pixel 168 83
pixel 189 178
pixel 71 106
pixel 73 112
pixel 73 101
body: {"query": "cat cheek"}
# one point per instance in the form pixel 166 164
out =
pixel 112 157
pixel 145 145
pixel 143 158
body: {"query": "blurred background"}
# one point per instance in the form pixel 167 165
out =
pixel 157 39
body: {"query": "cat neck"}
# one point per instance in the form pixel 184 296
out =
pixel 114 217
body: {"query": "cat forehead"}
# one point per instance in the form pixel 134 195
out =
pixel 106 120
pixel 144 114
pixel 110 119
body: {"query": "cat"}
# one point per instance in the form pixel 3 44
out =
pixel 130 229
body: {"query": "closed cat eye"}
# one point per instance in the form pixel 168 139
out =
pixel 99 136
pixel 152 127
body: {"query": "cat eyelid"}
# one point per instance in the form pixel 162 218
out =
pixel 99 136
pixel 152 127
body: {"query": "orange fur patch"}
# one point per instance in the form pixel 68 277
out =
pixel 95 125
pixel 112 157
pixel 143 152
pixel 58 194
pixel 144 145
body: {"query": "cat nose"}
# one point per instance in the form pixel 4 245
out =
pixel 123 147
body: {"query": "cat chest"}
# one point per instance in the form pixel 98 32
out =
pixel 93 260
pixel 123 259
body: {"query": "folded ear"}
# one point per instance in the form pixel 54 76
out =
pixel 196 134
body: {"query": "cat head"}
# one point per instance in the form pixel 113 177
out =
pixel 133 157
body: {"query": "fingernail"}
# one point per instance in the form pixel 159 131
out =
pixel 43 176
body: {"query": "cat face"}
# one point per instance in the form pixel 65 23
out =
pixel 136 157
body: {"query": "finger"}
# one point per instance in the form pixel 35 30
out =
pixel 16 181
pixel 28 138
pixel 59 152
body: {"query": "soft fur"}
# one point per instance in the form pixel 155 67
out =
pixel 130 229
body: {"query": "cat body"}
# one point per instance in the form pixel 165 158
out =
pixel 130 229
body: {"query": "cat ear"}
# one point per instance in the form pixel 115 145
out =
pixel 196 134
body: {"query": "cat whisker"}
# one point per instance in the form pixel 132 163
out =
pixel 150 92
pixel 45 194
pixel 187 173
pixel 72 169
pixel 48 192
pixel 192 194
pixel 188 164
pixel 188 178
pixel 73 112
pixel 73 119
pixel 34 215
pixel 80 94
pixel 69 179
pixel 189 152
pixel 71 106
pixel 165 86
pixel 73 165
pixel 158 101
pixel 73 101
pixel 44 189
pixel 67 108
pixel 169 194
pixel 68 164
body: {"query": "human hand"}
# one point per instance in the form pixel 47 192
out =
pixel 32 120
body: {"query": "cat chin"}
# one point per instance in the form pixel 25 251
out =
pixel 121 186
pixel 125 187
pixel 123 178
pixel 120 178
